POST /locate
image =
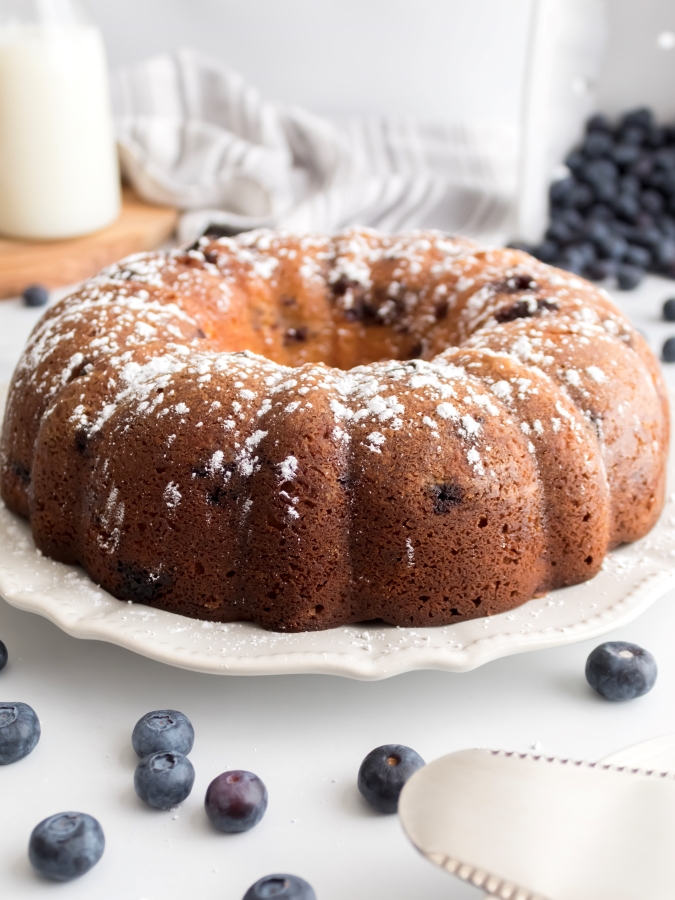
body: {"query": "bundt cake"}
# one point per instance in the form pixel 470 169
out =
pixel 306 431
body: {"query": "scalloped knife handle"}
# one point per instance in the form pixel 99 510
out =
pixel 530 828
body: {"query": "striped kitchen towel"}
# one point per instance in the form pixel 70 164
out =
pixel 195 134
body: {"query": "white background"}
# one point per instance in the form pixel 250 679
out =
pixel 436 60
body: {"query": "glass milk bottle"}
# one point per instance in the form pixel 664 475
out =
pixel 58 164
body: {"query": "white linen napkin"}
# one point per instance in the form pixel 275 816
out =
pixel 193 133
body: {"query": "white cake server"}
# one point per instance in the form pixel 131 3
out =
pixel 526 827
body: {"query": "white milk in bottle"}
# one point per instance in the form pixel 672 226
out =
pixel 58 164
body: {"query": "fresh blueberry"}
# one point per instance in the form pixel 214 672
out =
pixel 19 731
pixel 582 196
pixel 574 161
pixel 600 269
pixel 604 191
pixel 586 252
pixel 664 254
pixel 163 729
pixel 633 136
pixel 646 235
pixel 561 191
pixel 280 887
pixel 600 212
pixel 651 202
pixel 571 217
pixel 629 184
pixel 599 170
pixel 642 167
pixel 235 801
pixel 659 179
pixel 621 671
pixel 642 117
pixel 384 772
pixel 35 295
pixel 547 251
pixel 628 277
pixel 665 156
pixel 655 137
pixel 66 845
pixel 627 206
pixel 669 310
pixel 666 225
pixel 597 144
pixel 624 230
pixel 625 154
pixel 599 122
pixel 560 232
pixel 668 351
pixel 638 256
pixel 572 259
pixel 610 246
pixel 164 779
pixel 3 656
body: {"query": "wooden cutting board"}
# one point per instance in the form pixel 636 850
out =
pixel 58 263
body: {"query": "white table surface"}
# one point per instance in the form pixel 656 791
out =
pixel 304 735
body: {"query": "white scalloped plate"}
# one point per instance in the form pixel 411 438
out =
pixel 632 578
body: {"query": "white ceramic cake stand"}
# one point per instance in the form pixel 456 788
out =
pixel 632 578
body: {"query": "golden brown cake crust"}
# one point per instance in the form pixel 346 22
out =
pixel 305 431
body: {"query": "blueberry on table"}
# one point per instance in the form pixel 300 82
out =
pixel 664 253
pixel 625 154
pixel 638 256
pixel 163 729
pixel 629 277
pixel 164 779
pixel 384 772
pixel 280 887
pixel 597 144
pixel 599 122
pixel 629 184
pixel 600 269
pixel 621 671
pixel 582 196
pixel 235 801
pixel 627 206
pixel 66 845
pixel 668 351
pixel 632 135
pixel 642 117
pixel 3 656
pixel 560 232
pixel 652 202
pixel 19 731
pixel 561 191
pixel 574 161
pixel 35 295
pixel 547 251
pixel 599 212
pixel 669 310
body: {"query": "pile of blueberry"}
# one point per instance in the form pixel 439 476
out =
pixel 68 844
pixel 614 213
